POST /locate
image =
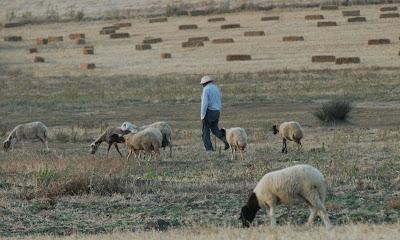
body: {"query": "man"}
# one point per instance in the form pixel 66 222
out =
pixel 210 110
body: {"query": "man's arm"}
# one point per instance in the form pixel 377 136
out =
pixel 204 103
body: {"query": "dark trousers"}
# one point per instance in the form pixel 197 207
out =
pixel 210 122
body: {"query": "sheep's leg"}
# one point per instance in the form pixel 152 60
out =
pixel 108 149
pixel 170 149
pixel 317 204
pixel 323 214
pixel 310 220
pixel 241 154
pixel 284 146
pixel 46 142
pixel 116 147
pixel 233 154
pixel 129 154
pixel 23 145
pixel 272 216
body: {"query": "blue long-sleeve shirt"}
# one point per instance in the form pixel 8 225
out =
pixel 210 99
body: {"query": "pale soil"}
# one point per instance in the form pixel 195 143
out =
pixel 268 52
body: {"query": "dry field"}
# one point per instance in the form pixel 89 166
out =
pixel 196 194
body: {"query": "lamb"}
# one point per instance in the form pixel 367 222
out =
pixel 149 140
pixel 28 131
pixel 164 128
pixel 237 140
pixel 300 182
pixel 291 131
pixel 112 136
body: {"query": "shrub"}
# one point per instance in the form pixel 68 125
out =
pixel 334 110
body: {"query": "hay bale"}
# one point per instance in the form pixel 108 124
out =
pixel 12 38
pixel 142 47
pixel 119 35
pixel 329 7
pixel 86 66
pixel 88 51
pixel 52 39
pixel 238 57
pixel 351 13
pixel 192 44
pixel 158 20
pixel 198 39
pixel 323 58
pixel 74 36
pixel 230 26
pixel 33 50
pixel 13 24
pixel 38 59
pixel 388 9
pixel 195 13
pixel 347 60
pixel 389 15
pixel 114 27
pixel 357 19
pixel 270 18
pixel 107 31
pixel 222 40
pixel 151 40
pixel 187 26
pixel 378 41
pixel 80 41
pixel 216 19
pixel 124 24
pixel 293 38
pixel 254 33
pixel 42 41
pixel 326 24
pixel 314 17
pixel 166 55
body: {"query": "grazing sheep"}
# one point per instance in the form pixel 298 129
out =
pixel 112 136
pixel 164 128
pixel 28 131
pixel 237 139
pixel 149 140
pixel 286 186
pixel 291 131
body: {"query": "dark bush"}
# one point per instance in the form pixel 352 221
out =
pixel 335 110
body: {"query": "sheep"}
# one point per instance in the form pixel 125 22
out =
pixel 237 139
pixel 149 140
pixel 164 128
pixel 299 182
pixel 112 136
pixel 28 131
pixel 291 131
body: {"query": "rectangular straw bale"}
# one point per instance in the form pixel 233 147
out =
pixel 151 40
pixel 198 39
pixel 329 7
pixel 223 40
pixel 357 19
pixel 293 38
pixel 326 24
pixel 192 44
pixel 74 36
pixel 351 13
pixel 158 20
pixel 238 57
pixel 165 55
pixel 378 41
pixel 107 31
pixel 142 47
pixel 86 66
pixel 229 26
pixel 52 39
pixel 12 38
pixel 194 13
pixel 41 41
pixel 187 26
pixel 388 9
pixel 33 50
pixel 123 24
pixel 80 41
pixel 114 27
pixel 13 24
pixel 38 59
pixel 347 60
pixel 314 17
pixel 323 58
pixel 88 51
pixel 119 35
pixel 270 18
pixel 216 19
pixel 254 33
pixel 389 15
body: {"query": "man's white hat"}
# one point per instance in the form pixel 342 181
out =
pixel 207 79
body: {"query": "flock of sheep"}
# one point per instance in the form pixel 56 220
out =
pixel 286 186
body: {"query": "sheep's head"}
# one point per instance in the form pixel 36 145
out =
pixel 93 147
pixel 223 131
pixel 275 129
pixel 248 212
pixel 6 144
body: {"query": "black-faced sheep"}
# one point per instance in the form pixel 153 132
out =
pixel 286 186
pixel 289 131
pixel 112 136
pixel 27 131
pixel 237 140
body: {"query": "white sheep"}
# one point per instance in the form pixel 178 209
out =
pixel 286 186
pixel 237 140
pixel 291 131
pixel 149 140
pixel 27 131
pixel 164 128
